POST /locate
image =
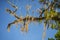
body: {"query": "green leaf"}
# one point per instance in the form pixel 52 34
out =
pixel 57 35
pixel 40 21
pixel 53 13
pixel 41 0
pixel 55 0
pixel 47 14
pixel 50 39
pixel 53 26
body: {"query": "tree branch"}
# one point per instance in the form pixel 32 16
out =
pixel 42 18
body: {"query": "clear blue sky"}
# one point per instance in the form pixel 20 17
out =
pixel 35 30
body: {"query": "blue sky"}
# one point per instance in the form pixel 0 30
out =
pixel 35 30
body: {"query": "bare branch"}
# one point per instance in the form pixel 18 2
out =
pixel 9 25
pixel 13 13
